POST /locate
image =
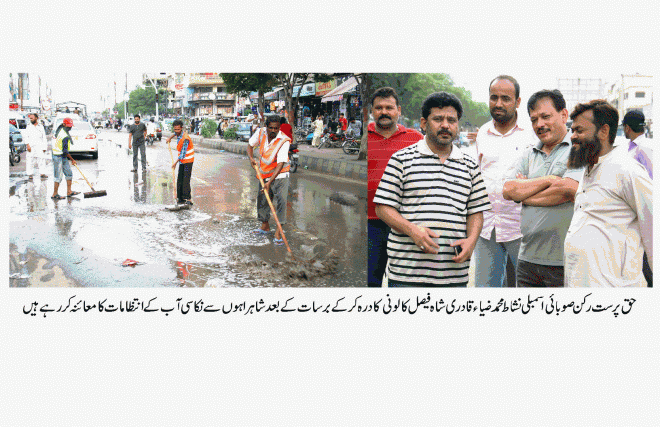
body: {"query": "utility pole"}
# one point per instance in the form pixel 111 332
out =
pixel 20 87
pixel 156 88
pixel 125 95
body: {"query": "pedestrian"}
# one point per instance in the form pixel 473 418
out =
pixel 35 137
pixel 136 136
pixel 343 123
pixel 274 169
pixel 186 158
pixel 385 137
pixel 220 129
pixel 61 157
pixel 434 228
pixel 546 188
pixel 612 225
pixel 641 149
pixel 318 131
pixel 499 143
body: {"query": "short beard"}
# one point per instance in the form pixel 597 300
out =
pixel 503 120
pixel 584 154
pixel 435 141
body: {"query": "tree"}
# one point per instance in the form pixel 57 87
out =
pixel 413 88
pixel 365 82
pixel 242 84
pixel 290 80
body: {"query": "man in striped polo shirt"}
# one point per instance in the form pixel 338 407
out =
pixel 385 137
pixel 432 196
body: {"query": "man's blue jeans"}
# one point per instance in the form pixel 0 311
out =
pixel 490 259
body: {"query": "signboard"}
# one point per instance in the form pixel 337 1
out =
pixel 323 88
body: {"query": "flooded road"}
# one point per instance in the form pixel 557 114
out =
pixel 83 241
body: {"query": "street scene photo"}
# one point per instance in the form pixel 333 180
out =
pixel 201 180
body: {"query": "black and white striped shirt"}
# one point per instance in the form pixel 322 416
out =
pixel 433 194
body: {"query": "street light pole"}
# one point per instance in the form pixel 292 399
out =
pixel 154 84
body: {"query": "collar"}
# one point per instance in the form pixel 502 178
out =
pixel 371 127
pixel 565 141
pixel 424 150
pixel 491 128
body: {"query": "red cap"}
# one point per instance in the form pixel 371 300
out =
pixel 68 122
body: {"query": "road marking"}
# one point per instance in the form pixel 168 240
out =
pixel 200 180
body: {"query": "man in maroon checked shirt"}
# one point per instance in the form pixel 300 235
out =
pixel 385 137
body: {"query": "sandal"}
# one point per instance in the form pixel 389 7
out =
pixel 73 193
pixel 260 231
pixel 278 242
pixel 57 197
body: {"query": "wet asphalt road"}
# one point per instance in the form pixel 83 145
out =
pixel 83 241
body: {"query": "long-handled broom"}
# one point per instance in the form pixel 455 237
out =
pixel 92 193
pixel 272 208
pixel 175 207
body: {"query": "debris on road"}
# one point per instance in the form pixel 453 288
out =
pixel 129 263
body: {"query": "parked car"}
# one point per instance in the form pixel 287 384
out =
pixel 244 131
pixel 18 119
pixel 17 138
pixel 463 139
pixel 84 138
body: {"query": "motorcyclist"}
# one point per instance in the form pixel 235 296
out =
pixel 151 128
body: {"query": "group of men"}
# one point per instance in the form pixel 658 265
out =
pixel 567 207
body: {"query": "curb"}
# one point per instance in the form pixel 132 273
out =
pixel 351 169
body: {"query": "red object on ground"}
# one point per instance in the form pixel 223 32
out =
pixel 129 263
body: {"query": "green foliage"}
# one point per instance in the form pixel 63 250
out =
pixel 230 133
pixel 143 102
pixel 244 83
pixel 413 88
pixel 209 128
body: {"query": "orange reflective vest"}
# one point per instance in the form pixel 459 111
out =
pixel 190 151
pixel 268 160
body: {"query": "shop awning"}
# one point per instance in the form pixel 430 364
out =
pixel 338 93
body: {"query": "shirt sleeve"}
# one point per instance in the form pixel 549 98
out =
pixel 390 188
pixel 521 165
pixel 283 153
pixel 478 201
pixel 254 139
pixel 637 191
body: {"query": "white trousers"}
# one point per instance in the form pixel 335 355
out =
pixel 34 162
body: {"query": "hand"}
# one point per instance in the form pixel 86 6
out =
pixel 467 247
pixel 423 238
pixel 73 162
pixel 129 146
pixel 253 161
pixel 472 136
pixel 520 176
pixel 174 164
pixel 267 188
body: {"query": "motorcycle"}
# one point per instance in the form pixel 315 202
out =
pixel 351 145
pixel 14 157
pixel 294 156
pixel 332 140
pixel 150 139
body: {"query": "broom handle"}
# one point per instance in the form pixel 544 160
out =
pixel 272 208
pixel 173 182
pixel 90 185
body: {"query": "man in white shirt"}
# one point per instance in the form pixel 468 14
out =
pixel 612 224
pixel 35 137
pixel 274 168
pixel 318 131
pixel 151 127
pixel 499 144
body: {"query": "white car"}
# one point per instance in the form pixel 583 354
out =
pixel 84 137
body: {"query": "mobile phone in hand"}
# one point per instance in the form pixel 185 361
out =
pixel 457 250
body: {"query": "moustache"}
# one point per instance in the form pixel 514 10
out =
pixel 384 117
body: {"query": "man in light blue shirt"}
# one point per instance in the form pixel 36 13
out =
pixel 546 188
